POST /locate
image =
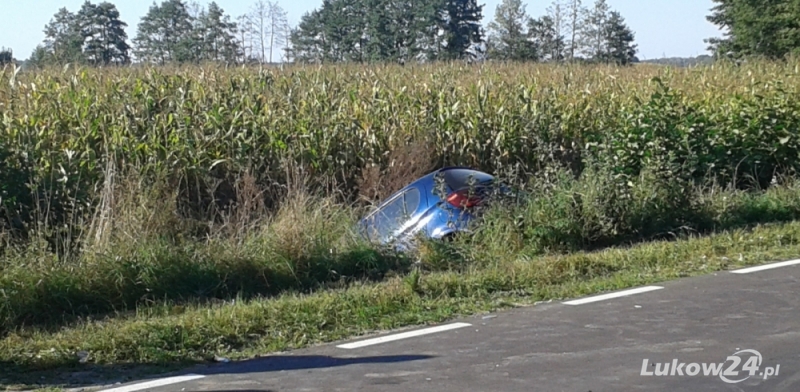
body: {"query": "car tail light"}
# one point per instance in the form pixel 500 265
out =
pixel 462 199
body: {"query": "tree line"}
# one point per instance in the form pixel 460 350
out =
pixel 569 31
pixel 176 31
pixel 357 30
pixel 173 31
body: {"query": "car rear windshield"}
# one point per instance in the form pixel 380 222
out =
pixel 462 178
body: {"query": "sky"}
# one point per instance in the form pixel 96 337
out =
pixel 663 28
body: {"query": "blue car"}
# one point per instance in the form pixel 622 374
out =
pixel 438 206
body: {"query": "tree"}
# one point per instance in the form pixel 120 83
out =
pixel 557 19
pixel 216 36
pixel 103 34
pixel 387 30
pixel 40 57
pixel 619 41
pixel 63 39
pixel 460 21
pixel 166 34
pixel 345 30
pixel 278 25
pixel 259 17
pixel 309 43
pixel 508 33
pixel 245 37
pixel 412 33
pixel 269 26
pixel 595 22
pixel 575 13
pixel 769 28
pixel 6 56
pixel 548 44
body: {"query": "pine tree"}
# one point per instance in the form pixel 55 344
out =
pixel 387 30
pixel 40 57
pixel 545 38
pixel 619 41
pixel 216 36
pixel 166 34
pixel 103 34
pixel 769 28
pixel 345 24
pixel 382 36
pixel 508 33
pixel 460 20
pixel 6 56
pixel 309 43
pixel 63 39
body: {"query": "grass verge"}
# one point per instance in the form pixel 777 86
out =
pixel 168 334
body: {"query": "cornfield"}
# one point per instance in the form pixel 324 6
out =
pixel 65 131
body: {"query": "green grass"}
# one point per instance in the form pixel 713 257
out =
pixel 185 334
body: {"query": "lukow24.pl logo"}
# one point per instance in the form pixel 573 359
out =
pixel 738 367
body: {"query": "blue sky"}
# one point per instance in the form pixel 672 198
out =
pixel 672 28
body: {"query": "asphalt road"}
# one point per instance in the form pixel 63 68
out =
pixel 596 346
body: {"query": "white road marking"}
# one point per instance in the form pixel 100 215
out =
pixel 766 267
pixel 404 335
pixel 155 383
pixel 617 294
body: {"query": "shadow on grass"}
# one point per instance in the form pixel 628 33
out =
pixel 16 377
pixel 178 277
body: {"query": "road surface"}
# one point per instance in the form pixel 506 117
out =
pixel 597 344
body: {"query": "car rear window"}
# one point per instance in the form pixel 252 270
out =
pixel 462 178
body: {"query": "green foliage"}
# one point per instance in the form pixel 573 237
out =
pixel 6 56
pixel 547 40
pixel 165 34
pixel 169 34
pixel 569 31
pixel 64 40
pixel 206 125
pixel 103 34
pixel 95 35
pixel 358 31
pixel 461 23
pixel 125 187
pixel 39 57
pixel 509 38
pixel 764 28
pixel 619 38
pixel 216 35
pixel 167 332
